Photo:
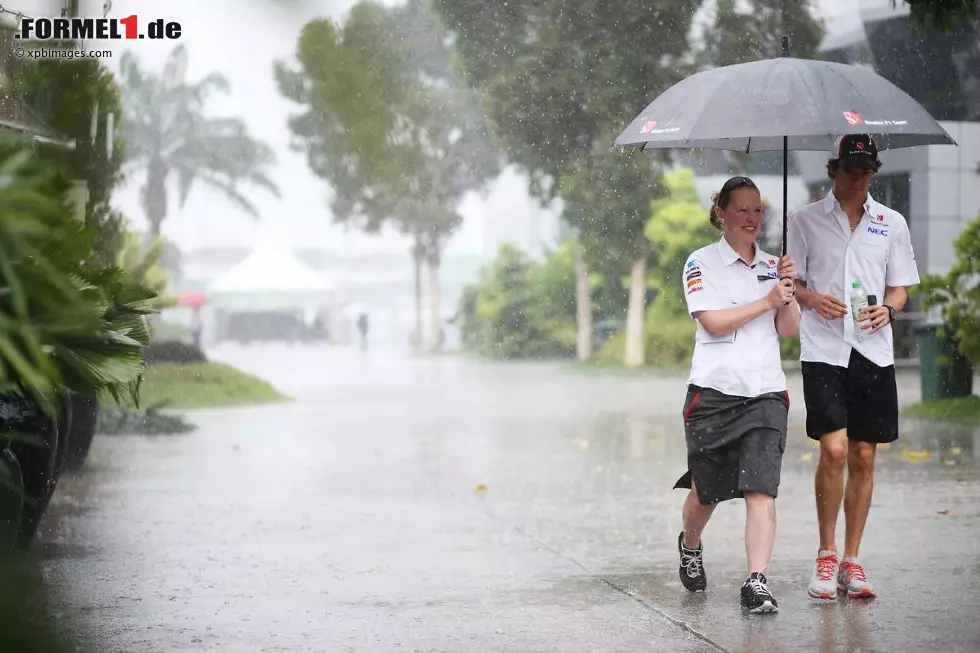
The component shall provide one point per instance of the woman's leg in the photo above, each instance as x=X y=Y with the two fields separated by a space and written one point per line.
x=760 y=529
x=695 y=518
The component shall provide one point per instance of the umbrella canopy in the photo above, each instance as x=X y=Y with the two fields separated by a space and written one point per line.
x=756 y=106
x=782 y=104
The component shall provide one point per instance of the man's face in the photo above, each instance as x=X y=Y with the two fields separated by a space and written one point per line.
x=853 y=181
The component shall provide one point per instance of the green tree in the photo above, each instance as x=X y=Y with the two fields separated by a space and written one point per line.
x=678 y=225
x=942 y=14
x=957 y=294
x=398 y=145
x=171 y=140
x=675 y=226
x=607 y=199
x=751 y=30
x=68 y=96
x=558 y=77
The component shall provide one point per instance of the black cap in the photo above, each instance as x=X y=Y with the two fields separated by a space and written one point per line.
x=857 y=151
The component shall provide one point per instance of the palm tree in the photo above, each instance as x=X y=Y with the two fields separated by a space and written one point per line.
x=169 y=138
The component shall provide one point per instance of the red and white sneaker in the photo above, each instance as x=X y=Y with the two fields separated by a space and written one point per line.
x=854 y=581
x=823 y=581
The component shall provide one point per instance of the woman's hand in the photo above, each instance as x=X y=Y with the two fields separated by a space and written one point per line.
x=786 y=268
x=782 y=293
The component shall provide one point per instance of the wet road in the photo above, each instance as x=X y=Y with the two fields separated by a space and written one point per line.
x=446 y=504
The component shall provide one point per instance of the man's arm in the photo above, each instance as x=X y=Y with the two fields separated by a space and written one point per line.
x=804 y=296
x=897 y=297
x=827 y=306
x=900 y=273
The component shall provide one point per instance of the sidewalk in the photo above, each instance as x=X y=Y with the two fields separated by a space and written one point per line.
x=445 y=504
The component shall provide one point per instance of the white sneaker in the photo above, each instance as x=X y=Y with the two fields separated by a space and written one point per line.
x=823 y=582
x=852 y=579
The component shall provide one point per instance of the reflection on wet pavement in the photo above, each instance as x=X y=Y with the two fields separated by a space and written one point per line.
x=446 y=504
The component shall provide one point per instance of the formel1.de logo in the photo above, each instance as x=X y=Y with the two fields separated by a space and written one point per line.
x=88 y=29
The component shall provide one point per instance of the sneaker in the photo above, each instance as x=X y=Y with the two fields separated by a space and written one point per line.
x=692 y=566
x=823 y=582
x=854 y=581
x=756 y=595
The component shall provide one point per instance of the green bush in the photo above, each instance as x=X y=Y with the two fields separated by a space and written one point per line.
x=668 y=339
x=957 y=294
x=789 y=349
x=520 y=308
x=66 y=323
x=173 y=351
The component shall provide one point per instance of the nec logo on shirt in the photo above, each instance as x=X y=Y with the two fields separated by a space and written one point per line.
x=693 y=274
x=877 y=231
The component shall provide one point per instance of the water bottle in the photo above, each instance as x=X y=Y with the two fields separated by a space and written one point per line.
x=859 y=301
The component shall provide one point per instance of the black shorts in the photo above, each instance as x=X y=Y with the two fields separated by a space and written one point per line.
x=861 y=398
x=734 y=444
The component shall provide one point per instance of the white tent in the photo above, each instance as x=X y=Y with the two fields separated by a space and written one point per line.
x=270 y=278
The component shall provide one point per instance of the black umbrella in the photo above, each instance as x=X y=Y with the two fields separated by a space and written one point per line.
x=784 y=103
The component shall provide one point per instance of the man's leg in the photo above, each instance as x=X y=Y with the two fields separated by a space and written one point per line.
x=873 y=413
x=857 y=496
x=828 y=485
x=825 y=393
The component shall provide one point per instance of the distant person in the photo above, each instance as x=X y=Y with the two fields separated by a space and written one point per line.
x=849 y=247
x=197 y=328
x=737 y=405
x=362 y=328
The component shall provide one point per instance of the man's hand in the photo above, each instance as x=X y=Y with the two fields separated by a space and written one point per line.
x=829 y=307
x=874 y=318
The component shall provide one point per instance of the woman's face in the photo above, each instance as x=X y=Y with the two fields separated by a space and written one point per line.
x=743 y=216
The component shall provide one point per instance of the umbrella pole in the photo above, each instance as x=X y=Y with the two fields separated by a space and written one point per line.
x=785 y=154
x=785 y=189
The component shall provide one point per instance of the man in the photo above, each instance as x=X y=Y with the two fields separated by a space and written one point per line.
x=848 y=384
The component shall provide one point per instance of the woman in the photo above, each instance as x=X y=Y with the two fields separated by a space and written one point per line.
x=743 y=301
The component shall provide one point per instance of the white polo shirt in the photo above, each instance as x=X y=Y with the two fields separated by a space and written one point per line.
x=745 y=363
x=830 y=257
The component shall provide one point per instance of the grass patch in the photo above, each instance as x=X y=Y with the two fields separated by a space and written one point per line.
x=200 y=385
x=957 y=409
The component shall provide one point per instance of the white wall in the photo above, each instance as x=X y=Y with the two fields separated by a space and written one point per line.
x=953 y=191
